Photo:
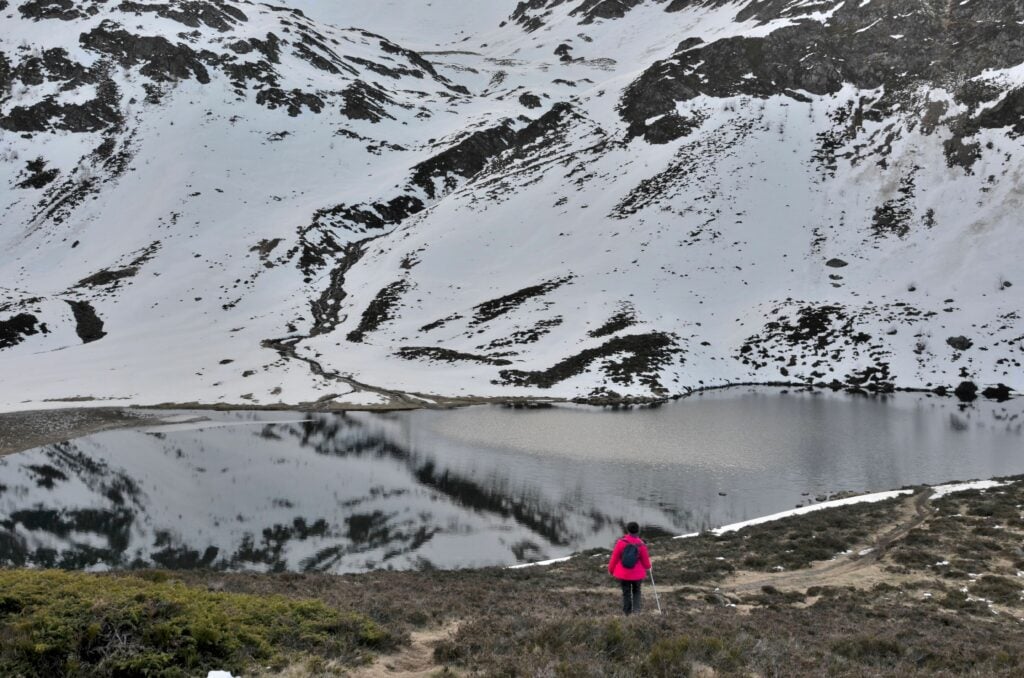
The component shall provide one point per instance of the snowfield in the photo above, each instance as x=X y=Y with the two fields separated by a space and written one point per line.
x=389 y=203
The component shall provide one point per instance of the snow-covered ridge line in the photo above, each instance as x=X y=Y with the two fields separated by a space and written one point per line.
x=938 y=492
x=622 y=203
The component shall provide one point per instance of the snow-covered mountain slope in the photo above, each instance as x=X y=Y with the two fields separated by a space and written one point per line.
x=233 y=202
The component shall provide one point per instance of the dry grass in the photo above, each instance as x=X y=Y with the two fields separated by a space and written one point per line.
x=728 y=609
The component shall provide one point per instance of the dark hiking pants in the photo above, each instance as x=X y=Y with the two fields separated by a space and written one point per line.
x=630 y=596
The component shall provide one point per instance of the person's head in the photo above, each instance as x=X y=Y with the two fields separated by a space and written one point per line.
x=632 y=528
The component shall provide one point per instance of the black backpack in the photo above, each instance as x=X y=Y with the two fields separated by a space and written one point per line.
x=630 y=555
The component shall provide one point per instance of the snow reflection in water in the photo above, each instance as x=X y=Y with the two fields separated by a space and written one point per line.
x=482 y=486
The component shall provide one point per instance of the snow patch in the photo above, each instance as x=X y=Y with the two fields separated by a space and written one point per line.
x=942 y=490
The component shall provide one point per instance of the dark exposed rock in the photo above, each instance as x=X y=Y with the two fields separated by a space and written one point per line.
x=380 y=310
x=362 y=218
x=39 y=176
x=104 y=278
x=161 y=60
x=89 y=327
x=960 y=343
x=668 y=128
x=365 y=102
x=464 y=159
x=960 y=154
x=836 y=263
x=14 y=330
x=618 y=322
x=418 y=61
x=628 y=360
x=327 y=307
x=95 y=115
x=294 y=100
x=445 y=355
x=1009 y=112
x=894 y=216
x=531 y=14
x=603 y=9
x=967 y=391
x=220 y=16
x=65 y=10
x=528 y=336
x=529 y=100
x=440 y=323
x=489 y=310
x=395 y=72
x=942 y=44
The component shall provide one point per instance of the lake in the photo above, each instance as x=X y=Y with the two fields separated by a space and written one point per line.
x=272 y=491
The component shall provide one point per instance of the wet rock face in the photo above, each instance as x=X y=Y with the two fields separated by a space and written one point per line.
x=897 y=45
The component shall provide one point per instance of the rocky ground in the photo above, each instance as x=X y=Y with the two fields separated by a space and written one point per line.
x=21 y=431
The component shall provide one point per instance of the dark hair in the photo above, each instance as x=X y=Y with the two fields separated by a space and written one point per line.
x=632 y=528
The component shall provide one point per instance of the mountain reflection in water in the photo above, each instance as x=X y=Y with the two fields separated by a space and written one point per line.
x=481 y=486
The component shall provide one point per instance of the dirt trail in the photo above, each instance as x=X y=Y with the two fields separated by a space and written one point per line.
x=414 y=660
x=861 y=567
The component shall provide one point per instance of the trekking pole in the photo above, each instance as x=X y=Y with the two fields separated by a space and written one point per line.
x=655 y=589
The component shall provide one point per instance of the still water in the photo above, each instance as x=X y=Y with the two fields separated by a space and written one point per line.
x=478 y=486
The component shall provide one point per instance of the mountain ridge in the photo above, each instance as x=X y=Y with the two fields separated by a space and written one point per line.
x=237 y=203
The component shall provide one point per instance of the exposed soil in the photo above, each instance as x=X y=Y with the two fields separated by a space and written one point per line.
x=414 y=660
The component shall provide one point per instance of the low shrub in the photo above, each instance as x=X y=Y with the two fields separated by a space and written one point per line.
x=74 y=624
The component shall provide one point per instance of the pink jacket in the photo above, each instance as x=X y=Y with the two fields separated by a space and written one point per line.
x=636 y=573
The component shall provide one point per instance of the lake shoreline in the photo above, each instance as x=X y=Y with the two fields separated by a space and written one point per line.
x=28 y=429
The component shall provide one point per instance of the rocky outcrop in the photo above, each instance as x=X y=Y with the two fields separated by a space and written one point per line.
x=14 y=329
x=894 y=46
x=161 y=60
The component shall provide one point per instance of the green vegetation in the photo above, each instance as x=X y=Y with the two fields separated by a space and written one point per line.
x=72 y=624
x=906 y=587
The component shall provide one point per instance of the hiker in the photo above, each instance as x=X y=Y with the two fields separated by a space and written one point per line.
x=629 y=564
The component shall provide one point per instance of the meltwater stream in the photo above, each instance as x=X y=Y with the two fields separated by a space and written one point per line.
x=473 y=487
